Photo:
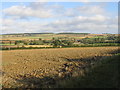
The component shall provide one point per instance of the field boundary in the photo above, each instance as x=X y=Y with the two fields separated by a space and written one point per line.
x=24 y=48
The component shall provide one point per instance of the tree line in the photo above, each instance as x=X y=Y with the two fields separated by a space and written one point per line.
x=67 y=42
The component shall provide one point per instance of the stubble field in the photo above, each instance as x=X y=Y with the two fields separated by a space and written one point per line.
x=43 y=67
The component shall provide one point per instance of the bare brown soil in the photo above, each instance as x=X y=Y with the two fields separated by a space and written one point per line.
x=38 y=67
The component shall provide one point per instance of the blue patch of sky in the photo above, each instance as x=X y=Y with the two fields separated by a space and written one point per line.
x=67 y=4
x=111 y=7
x=10 y=4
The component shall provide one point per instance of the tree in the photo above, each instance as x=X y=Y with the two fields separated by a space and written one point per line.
x=10 y=42
x=40 y=39
x=53 y=38
x=15 y=42
x=57 y=43
x=70 y=43
x=26 y=42
x=102 y=40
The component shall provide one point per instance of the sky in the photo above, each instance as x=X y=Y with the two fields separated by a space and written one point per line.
x=57 y=17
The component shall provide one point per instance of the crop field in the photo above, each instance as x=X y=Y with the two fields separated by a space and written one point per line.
x=44 y=36
x=43 y=67
x=15 y=46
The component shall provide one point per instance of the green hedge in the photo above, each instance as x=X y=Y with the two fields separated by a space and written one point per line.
x=85 y=45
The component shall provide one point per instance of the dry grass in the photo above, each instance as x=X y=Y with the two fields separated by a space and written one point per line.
x=27 y=46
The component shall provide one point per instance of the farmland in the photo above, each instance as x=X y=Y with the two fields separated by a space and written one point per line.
x=61 y=44
x=37 y=40
x=36 y=68
x=40 y=60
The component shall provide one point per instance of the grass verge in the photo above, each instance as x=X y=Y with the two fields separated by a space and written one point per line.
x=104 y=75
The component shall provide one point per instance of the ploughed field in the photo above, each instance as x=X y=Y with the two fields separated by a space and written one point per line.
x=44 y=67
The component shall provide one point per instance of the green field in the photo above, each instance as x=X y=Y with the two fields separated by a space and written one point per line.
x=7 y=44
